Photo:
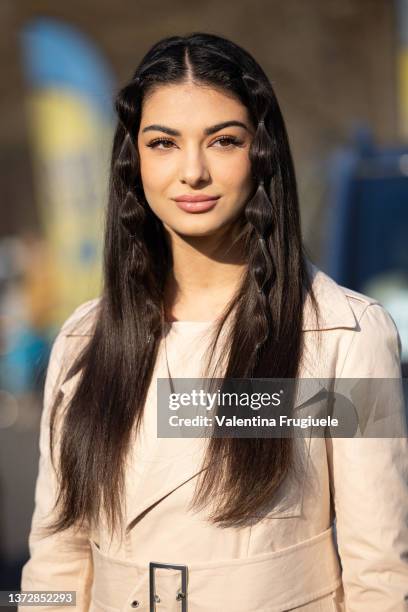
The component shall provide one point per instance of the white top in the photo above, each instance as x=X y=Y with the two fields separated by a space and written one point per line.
x=186 y=343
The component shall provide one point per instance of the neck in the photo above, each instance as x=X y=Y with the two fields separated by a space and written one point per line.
x=204 y=277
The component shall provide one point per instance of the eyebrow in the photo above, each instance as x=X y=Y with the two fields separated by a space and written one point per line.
x=207 y=131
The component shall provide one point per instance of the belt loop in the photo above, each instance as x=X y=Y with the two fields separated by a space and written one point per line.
x=181 y=593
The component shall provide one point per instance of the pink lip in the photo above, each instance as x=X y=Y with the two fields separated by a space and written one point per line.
x=197 y=206
x=195 y=198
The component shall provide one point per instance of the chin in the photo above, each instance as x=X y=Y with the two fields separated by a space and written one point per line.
x=197 y=233
x=197 y=229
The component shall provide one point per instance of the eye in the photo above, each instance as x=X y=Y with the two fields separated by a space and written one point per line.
x=154 y=143
x=229 y=140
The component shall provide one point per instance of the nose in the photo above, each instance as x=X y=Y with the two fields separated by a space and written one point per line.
x=194 y=168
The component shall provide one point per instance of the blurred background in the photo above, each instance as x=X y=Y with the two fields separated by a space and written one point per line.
x=340 y=71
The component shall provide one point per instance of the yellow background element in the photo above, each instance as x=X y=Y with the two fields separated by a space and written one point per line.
x=71 y=141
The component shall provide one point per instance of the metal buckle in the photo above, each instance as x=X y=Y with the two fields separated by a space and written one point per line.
x=181 y=595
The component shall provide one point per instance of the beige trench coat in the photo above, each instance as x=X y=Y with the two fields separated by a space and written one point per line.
x=286 y=560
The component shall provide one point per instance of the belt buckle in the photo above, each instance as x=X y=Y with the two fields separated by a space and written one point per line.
x=181 y=595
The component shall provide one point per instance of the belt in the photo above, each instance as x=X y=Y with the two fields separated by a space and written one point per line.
x=278 y=581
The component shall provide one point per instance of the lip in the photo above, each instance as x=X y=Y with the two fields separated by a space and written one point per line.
x=195 y=198
x=196 y=205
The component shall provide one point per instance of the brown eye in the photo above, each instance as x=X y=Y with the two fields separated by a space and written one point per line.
x=228 y=140
x=154 y=143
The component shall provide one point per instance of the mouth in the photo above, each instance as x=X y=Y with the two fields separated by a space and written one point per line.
x=197 y=207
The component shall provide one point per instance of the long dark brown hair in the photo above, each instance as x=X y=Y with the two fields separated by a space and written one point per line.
x=266 y=339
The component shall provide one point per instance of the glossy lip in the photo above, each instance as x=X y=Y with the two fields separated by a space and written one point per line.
x=197 y=207
x=195 y=198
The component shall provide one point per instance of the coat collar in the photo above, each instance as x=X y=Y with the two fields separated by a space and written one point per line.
x=335 y=310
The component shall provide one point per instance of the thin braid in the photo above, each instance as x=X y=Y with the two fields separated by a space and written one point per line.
x=132 y=211
x=261 y=217
x=134 y=214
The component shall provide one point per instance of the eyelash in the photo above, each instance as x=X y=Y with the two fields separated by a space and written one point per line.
x=232 y=139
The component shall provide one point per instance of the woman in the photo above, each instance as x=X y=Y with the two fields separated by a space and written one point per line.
x=204 y=264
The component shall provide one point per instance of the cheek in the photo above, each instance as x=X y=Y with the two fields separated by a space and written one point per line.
x=234 y=172
x=156 y=177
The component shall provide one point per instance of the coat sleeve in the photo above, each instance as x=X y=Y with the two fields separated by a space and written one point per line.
x=369 y=483
x=61 y=561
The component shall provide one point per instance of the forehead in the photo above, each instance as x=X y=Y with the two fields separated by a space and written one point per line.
x=192 y=104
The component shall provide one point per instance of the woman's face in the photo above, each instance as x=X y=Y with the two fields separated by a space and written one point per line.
x=186 y=151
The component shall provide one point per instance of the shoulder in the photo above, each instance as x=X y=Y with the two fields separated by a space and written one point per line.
x=344 y=308
x=79 y=326
x=363 y=331
x=82 y=319
x=371 y=315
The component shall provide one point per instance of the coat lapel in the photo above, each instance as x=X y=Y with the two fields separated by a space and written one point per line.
x=178 y=460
